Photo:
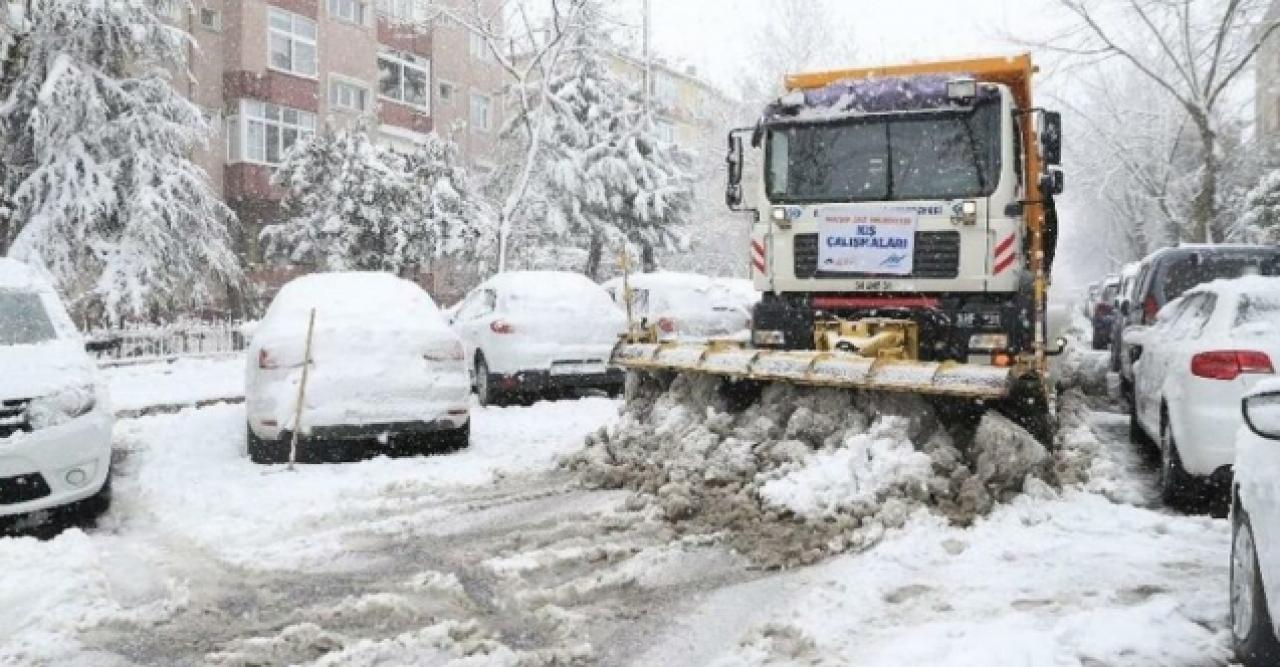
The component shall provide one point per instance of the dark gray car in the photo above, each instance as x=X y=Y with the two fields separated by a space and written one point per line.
x=1167 y=273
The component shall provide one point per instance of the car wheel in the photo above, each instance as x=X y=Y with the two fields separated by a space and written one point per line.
x=1252 y=632
x=1175 y=484
x=486 y=393
x=264 y=451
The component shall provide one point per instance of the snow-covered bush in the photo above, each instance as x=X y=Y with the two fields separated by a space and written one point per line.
x=98 y=182
x=352 y=204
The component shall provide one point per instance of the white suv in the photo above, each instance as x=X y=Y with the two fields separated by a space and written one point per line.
x=1255 y=529
x=55 y=419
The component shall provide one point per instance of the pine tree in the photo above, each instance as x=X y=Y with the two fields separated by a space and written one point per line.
x=609 y=182
x=354 y=205
x=99 y=183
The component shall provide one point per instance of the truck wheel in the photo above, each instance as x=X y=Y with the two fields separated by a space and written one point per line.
x=1252 y=633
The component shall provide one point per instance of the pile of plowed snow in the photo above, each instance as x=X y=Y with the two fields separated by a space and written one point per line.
x=803 y=473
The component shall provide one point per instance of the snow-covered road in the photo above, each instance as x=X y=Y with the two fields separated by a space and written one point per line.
x=493 y=555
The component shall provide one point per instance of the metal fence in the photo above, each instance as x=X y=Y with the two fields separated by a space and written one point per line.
x=141 y=344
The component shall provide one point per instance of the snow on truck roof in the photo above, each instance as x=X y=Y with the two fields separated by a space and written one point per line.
x=853 y=97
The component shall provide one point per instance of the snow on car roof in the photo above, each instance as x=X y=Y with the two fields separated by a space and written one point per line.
x=539 y=281
x=366 y=295
x=1269 y=285
x=666 y=279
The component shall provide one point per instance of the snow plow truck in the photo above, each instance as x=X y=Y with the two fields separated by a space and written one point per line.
x=903 y=229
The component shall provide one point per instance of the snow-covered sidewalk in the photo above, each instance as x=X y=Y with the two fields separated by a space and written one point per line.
x=170 y=385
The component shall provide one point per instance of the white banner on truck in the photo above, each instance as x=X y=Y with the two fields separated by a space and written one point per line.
x=866 y=239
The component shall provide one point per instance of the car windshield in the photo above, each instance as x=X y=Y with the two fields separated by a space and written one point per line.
x=1187 y=272
x=23 y=319
x=887 y=158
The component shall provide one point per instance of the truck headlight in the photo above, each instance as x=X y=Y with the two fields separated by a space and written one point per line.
x=55 y=409
x=988 y=342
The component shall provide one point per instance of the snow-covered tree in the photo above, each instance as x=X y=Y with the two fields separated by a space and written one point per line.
x=1195 y=52
x=352 y=204
x=1261 y=216
x=608 y=179
x=99 y=185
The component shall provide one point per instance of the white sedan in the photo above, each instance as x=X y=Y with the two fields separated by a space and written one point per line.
x=383 y=363
x=530 y=332
x=688 y=305
x=1205 y=350
x=55 y=416
x=1255 y=529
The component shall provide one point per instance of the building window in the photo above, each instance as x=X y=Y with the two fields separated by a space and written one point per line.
x=665 y=89
x=481 y=115
x=447 y=91
x=351 y=11
x=174 y=10
x=479 y=47
x=264 y=132
x=404 y=78
x=666 y=131
x=348 y=96
x=210 y=19
x=403 y=10
x=292 y=43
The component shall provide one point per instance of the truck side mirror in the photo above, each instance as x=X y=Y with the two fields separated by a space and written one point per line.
x=734 y=160
x=1051 y=138
x=1052 y=182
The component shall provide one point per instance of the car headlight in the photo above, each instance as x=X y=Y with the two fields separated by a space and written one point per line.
x=55 y=409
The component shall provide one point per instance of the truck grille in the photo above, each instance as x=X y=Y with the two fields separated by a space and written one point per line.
x=937 y=255
x=13 y=417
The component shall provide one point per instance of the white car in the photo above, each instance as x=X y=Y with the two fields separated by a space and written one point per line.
x=1205 y=350
x=383 y=363
x=687 y=305
x=55 y=414
x=531 y=332
x=1255 y=529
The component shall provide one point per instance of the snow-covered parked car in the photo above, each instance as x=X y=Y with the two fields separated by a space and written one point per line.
x=384 y=363
x=687 y=305
x=1205 y=350
x=1255 y=529
x=55 y=414
x=530 y=332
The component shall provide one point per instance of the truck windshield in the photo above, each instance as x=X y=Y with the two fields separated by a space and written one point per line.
x=945 y=155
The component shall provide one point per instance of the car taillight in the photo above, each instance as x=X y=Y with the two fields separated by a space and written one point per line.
x=1149 y=309
x=265 y=361
x=666 y=325
x=453 y=352
x=501 y=327
x=1230 y=364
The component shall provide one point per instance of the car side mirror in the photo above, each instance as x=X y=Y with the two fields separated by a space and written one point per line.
x=1262 y=415
x=1051 y=138
x=734 y=161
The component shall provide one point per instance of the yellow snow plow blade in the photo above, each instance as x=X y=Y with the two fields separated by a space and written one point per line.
x=819 y=369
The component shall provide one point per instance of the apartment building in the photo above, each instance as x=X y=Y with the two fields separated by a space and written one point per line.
x=269 y=72
x=1267 y=91
x=688 y=110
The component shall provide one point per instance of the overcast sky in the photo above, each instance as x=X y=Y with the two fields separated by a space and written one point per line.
x=715 y=35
